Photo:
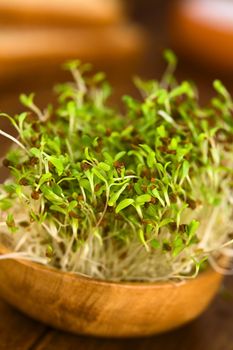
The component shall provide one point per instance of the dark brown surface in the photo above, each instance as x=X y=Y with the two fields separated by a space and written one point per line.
x=212 y=331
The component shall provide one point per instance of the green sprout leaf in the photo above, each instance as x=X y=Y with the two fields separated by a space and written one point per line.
x=116 y=195
x=124 y=204
x=44 y=178
x=27 y=100
x=11 y=223
x=170 y=57
x=144 y=198
x=142 y=239
x=155 y=244
x=58 y=164
x=51 y=196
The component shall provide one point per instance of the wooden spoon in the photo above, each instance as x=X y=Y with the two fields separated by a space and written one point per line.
x=87 y=306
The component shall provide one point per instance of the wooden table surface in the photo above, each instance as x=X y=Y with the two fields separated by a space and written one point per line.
x=211 y=331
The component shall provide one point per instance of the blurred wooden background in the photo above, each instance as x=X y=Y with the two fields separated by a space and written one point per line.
x=36 y=39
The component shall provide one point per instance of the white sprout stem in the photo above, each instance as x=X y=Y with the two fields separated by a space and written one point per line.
x=105 y=206
x=228 y=252
x=12 y=138
x=209 y=228
x=79 y=80
x=83 y=194
x=24 y=256
x=52 y=233
x=15 y=255
x=69 y=148
x=222 y=248
x=38 y=112
x=21 y=242
x=167 y=118
x=219 y=269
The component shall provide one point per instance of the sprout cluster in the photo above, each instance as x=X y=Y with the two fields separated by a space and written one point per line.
x=145 y=194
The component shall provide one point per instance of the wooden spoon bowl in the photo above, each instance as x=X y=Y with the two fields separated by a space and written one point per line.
x=86 y=306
